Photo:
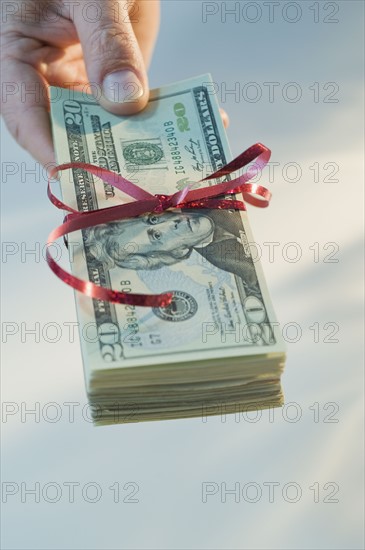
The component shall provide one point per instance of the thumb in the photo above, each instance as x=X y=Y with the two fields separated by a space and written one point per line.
x=113 y=60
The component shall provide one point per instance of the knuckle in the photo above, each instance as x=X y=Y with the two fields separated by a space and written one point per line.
x=13 y=125
x=108 y=45
x=11 y=43
x=14 y=120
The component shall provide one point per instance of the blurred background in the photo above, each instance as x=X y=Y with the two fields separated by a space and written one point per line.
x=290 y=478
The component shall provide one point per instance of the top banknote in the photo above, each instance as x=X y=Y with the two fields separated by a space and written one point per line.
x=220 y=307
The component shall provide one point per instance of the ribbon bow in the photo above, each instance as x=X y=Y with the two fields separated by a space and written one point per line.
x=170 y=201
x=205 y=197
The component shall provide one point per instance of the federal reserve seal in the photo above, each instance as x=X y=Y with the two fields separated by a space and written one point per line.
x=182 y=307
x=142 y=153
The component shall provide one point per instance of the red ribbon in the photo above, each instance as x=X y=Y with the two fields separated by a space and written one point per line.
x=204 y=197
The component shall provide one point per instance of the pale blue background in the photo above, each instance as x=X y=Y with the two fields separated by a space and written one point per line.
x=170 y=460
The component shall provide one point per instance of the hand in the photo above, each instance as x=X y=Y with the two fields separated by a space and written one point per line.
x=102 y=47
x=59 y=43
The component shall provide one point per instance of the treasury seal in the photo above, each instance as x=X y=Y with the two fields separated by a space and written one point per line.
x=142 y=153
x=183 y=307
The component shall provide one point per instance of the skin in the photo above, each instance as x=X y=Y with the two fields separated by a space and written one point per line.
x=63 y=45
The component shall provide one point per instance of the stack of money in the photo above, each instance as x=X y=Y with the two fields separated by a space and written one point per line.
x=214 y=349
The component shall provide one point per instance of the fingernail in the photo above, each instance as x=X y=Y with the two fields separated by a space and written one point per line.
x=122 y=87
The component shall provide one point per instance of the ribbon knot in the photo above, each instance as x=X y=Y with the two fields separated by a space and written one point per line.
x=163 y=203
x=168 y=201
x=203 y=197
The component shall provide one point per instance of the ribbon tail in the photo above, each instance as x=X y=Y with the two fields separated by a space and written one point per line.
x=258 y=152
x=94 y=291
